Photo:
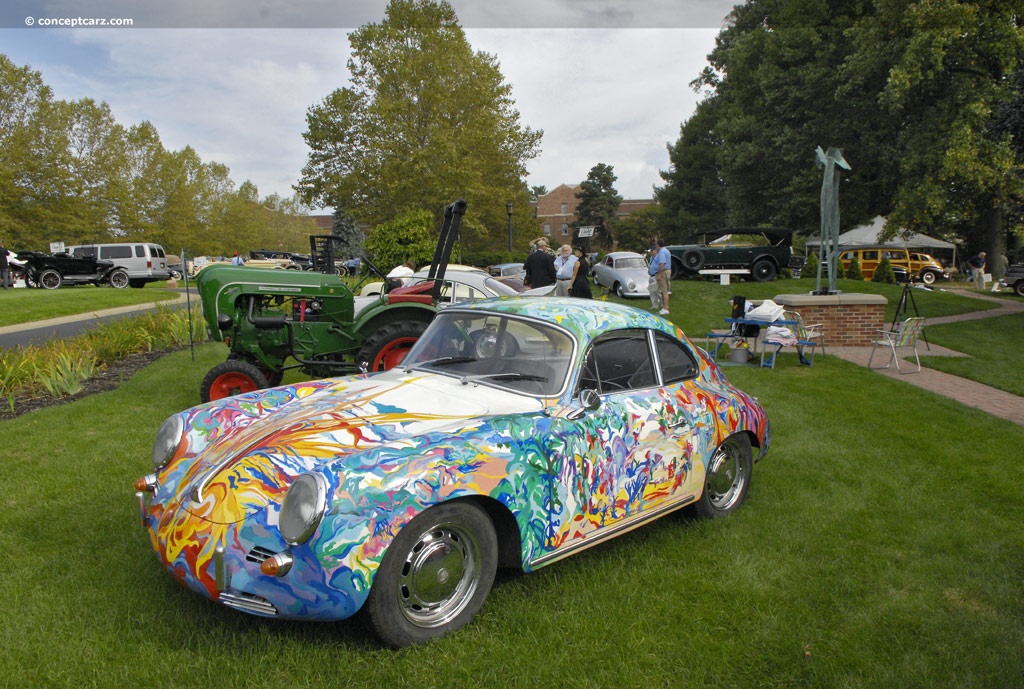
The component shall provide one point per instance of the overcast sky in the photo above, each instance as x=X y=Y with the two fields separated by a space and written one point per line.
x=606 y=80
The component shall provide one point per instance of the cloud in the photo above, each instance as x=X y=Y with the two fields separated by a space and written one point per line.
x=239 y=97
x=347 y=14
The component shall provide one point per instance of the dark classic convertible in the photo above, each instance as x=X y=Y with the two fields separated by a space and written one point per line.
x=761 y=251
x=50 y=272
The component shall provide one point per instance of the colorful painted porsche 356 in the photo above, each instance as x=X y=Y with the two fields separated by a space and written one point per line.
x=516 y=432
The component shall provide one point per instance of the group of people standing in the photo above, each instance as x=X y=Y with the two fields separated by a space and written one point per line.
x=567 y=269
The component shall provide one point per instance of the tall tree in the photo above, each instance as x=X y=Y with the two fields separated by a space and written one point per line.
x=599 y=204
x=349 y=235
x=693 y=198
x=425 y=121
x=948 y=66
x=910 y=91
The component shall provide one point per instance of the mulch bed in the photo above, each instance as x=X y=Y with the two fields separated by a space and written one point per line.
x=108 y=378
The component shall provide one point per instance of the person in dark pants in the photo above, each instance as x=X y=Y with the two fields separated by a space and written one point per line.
x=580 y=284
x=5 y=268
x=977 y=265
x=539 y=266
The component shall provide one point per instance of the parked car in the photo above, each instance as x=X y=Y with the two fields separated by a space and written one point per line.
x=141 y=262
x=462 y=283
x=763 y=251
x=1014 y=279
x=623 y=272
x=399 y=493
x=916 y=265
x=508 y=270
x=291 y=260
x=51 y=272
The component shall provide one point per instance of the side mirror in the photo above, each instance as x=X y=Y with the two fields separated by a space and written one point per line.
x=589 y=401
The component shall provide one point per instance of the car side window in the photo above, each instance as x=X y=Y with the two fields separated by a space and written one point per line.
x=620 y=361
x=677 y=363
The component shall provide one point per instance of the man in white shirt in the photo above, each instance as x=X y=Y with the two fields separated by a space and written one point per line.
x=563 y=271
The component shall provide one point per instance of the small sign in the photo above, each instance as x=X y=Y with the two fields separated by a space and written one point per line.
x=56 y=247
x=587 y=231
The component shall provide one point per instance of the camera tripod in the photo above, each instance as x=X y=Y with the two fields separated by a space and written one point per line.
x=901 y=311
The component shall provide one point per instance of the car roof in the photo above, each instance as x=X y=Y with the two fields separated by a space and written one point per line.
x=623 y=254
x=583 y=318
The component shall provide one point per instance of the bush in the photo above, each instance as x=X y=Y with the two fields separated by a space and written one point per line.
x=59 y=367
x=854 y=272
x=883 y=273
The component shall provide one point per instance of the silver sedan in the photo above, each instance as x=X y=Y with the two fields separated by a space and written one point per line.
x=624 y=273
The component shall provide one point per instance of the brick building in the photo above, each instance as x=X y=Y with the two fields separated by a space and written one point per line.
x=556 y=211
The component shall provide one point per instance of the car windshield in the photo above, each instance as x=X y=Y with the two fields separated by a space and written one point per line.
x=525 y=356
x=634 y=262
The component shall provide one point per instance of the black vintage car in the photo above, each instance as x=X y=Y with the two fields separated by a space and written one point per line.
x=52 y=271
x=760 y=251
x=1014 y=279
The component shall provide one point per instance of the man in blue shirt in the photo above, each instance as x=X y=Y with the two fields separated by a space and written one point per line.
x=661 y=269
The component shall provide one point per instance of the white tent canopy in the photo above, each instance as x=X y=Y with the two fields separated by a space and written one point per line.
x=867 y=235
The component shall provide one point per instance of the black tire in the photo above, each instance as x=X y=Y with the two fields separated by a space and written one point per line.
x=693 y=259
x=50 y=279
x=118 y=279
x=435 y=575
x=727 y=478
x=387 y=346
x=763 y=271
x=1019 y=288
x=620 y=292
x=231 y=377
x=273 y=376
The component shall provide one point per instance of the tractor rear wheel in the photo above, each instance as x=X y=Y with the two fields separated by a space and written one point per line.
x=388 y=345
x=231 y=377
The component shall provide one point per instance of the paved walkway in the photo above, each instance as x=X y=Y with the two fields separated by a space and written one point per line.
x=996 y=402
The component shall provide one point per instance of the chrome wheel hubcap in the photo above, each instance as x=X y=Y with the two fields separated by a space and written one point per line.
x=439 y=576
x=725 y=478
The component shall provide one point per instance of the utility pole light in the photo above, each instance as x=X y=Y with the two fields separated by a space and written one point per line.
x=508 y=209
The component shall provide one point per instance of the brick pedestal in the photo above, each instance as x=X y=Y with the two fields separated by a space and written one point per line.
x=851 y=320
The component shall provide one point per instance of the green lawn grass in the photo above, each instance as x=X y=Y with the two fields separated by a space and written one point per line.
x=993 y=346
x=880 y=546
x=19 y=306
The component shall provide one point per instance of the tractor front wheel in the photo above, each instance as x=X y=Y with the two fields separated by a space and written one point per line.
x=388 y=345
x=231 y=377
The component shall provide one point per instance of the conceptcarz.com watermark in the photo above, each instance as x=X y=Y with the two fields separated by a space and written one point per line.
x=74 y=22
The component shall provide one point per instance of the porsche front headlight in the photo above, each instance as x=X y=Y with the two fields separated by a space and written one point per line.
x=303 y=508
x=167 y=440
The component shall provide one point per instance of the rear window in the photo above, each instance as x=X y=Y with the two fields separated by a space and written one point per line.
x=157 y=250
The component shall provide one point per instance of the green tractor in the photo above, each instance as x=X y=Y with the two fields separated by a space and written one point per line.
x=276 y=320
